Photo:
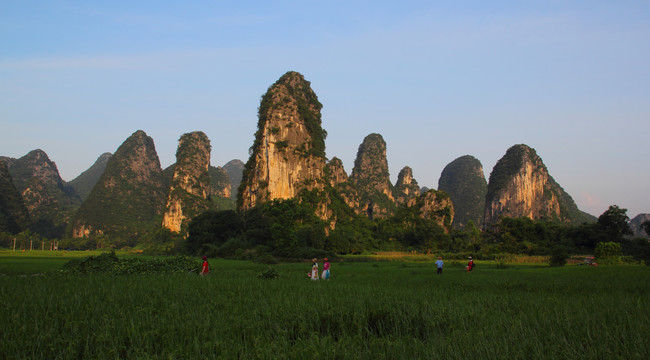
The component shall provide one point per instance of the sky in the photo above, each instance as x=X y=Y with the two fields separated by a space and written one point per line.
x=437 y=79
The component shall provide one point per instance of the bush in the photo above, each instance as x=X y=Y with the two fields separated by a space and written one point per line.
x=269 y=273
x=607 y=252
x=109 y=263
x=559 y=256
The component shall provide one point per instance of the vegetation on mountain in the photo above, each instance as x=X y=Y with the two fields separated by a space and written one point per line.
x=190 y=190
x=50 y=201
x=295 y=90
x=406 y=188
x=14 y=216
x=543 y=198
x=465 y=183
x=371 y=178
x=288 y=153
x=129 y=197
x=84 y=183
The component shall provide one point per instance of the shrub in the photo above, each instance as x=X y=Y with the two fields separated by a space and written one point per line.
x=607 y=252
x=269 y=273
x=559 y=256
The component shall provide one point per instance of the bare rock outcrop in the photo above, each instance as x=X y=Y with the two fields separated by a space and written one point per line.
x=437 y=206
x=288 y=155
x=371 y=178
x=406 y=190
x=520 y=186
x=190 y=186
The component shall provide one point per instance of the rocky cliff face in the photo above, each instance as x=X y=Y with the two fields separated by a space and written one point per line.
x=47 y=197
x=235 y=170
x=437 y=206
x=190 y=185
x=339 y=181
x=520 y=186
x=288 y=154
x=84 y=183
x=406 y=189
x=130 y=195
x=464 y=181
x=14 y=216
x=371 y=178
x=636 y=225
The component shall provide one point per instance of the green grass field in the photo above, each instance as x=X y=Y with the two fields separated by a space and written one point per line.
x=368 y=310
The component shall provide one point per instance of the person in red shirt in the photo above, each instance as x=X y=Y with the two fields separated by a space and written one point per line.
x=470 y=264
x=206 y=267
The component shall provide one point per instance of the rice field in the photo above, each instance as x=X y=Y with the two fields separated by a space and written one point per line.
x=368 y=310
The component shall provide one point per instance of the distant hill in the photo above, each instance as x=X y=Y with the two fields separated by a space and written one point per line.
x=50 y=201
x=14 y=216
x=130 y=195
x=235 y=170
x=465 y=183
x=635 y=225
x=84 y=183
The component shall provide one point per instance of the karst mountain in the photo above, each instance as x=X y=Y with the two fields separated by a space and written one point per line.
x=128 y=194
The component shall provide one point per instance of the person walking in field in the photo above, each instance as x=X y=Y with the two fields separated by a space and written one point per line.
x=470 y=264
x=439 y=264
x=205 y=270
x=314 y=269
x=326 y=270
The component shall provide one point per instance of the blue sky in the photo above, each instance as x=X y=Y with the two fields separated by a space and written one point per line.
x=438 y=80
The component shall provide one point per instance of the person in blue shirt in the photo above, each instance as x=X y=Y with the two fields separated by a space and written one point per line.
x=439 y=265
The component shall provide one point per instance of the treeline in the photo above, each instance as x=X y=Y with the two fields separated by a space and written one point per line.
x=289 y=229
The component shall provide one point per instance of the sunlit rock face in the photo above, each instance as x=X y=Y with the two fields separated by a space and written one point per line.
x=129 y=197
x=288 y=154
x=406 y=189
x=371 y=178
x=437 y=206
x=520 y=186
x=190 y=186
x=464 y=181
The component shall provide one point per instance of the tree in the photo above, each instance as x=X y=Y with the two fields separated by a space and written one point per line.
x=607 y=252
x=615 y=222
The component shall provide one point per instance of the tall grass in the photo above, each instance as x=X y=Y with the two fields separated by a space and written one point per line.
x=386 y=310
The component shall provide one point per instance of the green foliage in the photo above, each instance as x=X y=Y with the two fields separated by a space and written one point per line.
x=559 y=256
x=269 y=273
x=126 y=203
x=367 y=310
x=14 y=216
x=281 y=145
x=109 y=263
x=608 y=252
x=465 y=183
x=615 y=222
